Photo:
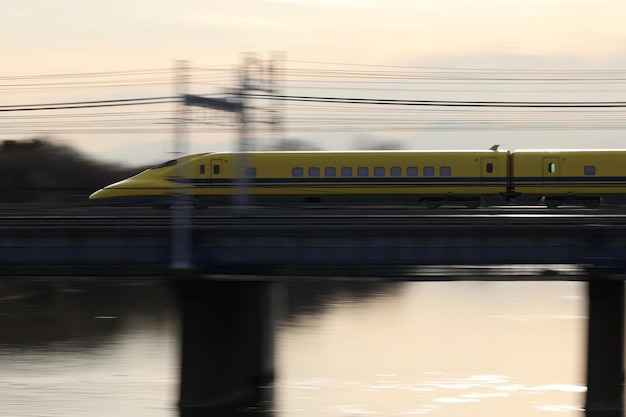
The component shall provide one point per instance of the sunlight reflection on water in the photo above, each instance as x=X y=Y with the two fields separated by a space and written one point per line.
x=444 y=390
x=417 y=352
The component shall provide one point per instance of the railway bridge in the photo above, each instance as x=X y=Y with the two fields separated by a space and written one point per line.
x=233 y=260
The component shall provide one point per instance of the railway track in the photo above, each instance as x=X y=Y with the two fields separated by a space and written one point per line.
x=26 y=218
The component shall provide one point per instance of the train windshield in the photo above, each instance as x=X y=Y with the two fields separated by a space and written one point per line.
x=165 y=164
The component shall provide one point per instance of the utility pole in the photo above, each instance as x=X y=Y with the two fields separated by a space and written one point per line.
x=181 y=234
x=255 y=76
x=276 y=112
x=241 y=199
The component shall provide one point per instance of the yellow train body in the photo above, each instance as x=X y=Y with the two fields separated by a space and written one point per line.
x=365 y=173
x=570 y=176
x=468 y=178
x=461 y=176
x=575 y=172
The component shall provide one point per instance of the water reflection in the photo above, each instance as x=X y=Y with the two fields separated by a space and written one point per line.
x=462 y=348
x=342 y=349
x=87 y=350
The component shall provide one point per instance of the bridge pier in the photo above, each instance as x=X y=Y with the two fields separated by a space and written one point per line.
x=227 y=346
x=605 y=345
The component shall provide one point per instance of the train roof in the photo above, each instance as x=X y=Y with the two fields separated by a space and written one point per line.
x=481 y=152
x=345 y=152
x=566 y=150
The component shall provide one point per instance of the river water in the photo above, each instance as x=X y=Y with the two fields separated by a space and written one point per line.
x=342 y=350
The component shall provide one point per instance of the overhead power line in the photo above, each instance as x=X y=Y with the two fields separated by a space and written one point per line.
x=441 y=103
x=318 y=99
x=89 y=104
x=346 y=97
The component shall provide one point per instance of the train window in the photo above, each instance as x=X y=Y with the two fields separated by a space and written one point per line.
x=362 y=171
x=250 y=172
x=445 y=171
x=330 y=171
x=379 y=171
x=314 y=172
x=202 y=169
x=551 y=167
x=395 y=171
x=297 y=172
x=590 y=170
x=346 y=171
x=412 y=171
x=489 y=168
x=429 y=171
x=216 y=169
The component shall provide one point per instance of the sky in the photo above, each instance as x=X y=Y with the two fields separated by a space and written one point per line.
x=45 y=37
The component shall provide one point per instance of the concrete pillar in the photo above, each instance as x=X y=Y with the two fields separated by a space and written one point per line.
x=605 y=341
x=227 y=346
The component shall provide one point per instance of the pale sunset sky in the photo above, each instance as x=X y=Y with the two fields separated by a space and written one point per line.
x=46 y=37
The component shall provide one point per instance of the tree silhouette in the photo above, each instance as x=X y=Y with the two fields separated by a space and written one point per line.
x=40 y=170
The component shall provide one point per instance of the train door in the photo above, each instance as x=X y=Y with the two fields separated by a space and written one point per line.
x=551 y=171
x=216 y=172
x=489 y=172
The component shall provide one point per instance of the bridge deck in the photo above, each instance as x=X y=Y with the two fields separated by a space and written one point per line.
x=391 y=244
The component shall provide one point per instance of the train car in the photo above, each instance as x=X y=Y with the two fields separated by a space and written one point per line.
x=431 y=178
x=559 y=177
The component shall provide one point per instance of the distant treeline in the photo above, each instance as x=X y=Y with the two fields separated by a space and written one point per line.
x=38 y=170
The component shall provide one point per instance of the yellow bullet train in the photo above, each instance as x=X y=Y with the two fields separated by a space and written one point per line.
x=430 y=178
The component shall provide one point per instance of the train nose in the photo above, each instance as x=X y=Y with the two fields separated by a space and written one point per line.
x=101 y=193
x=132 y=190
x=111 y=191
x=105 y=193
